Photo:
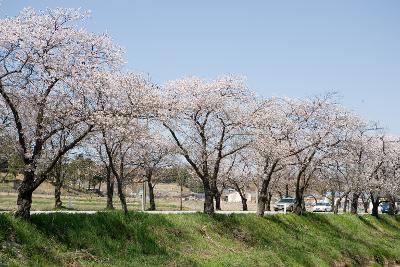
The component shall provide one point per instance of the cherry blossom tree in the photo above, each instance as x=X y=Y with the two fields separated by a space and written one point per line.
x=207 y=121
x=118 y=149
x=381 y=180
x=98 y=152
x=391 y=181
x=320 y=125
x=359 y=161
x=335 y=176
x=153 y=155
x=270 y=149
x=222 y=184
x=240 y=176
x=126 y=104
x=58 y=174
x=46 y=82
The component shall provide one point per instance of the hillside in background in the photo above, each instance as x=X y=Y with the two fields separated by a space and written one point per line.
x=109 y=239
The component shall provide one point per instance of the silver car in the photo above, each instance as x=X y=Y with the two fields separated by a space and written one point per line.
x=323 y=207
x=286 y=201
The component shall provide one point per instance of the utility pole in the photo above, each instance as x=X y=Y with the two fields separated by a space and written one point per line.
x=144 y=196
x=144 y=181
x=181 y=207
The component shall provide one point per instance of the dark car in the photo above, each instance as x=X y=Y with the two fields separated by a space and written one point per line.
x=387 y=207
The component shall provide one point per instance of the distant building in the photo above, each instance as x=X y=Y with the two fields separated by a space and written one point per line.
x=235 y=197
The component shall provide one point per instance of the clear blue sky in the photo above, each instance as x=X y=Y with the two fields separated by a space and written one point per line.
x=284 y=48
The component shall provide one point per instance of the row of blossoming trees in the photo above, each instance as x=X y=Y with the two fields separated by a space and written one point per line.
x=63 y=89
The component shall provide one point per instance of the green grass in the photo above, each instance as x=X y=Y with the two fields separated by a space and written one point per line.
x=111 y=239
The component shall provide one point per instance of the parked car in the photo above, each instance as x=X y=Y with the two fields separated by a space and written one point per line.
x=288 y=201
x=387 y=207
x=322 y=206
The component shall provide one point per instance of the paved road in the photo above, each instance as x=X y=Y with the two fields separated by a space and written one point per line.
x=150 y=212
x=218 y=212
x=56 y=211
x=227 y=212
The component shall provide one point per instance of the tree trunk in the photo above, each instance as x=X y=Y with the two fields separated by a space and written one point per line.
x=298 y=207
x=121 y=196
x=393 y=203
x=244 y=203
x=24 y=199
x=339 y=203
x=262 y=200
x=346 y=200
x=299 y=194
x=336 y=206
x=151 y=195
x=208 y=199
x=365 y=201
x=218 y=201
x=286 y=190
x=366 y=206
x=242 y=195
x=375 y=206
x=268 y=204
x=333 y=194
x=354 y=203
x=57 y=193
x=264 y=203
x=110 y=191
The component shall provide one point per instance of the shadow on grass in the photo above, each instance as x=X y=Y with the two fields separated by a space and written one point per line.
x=102 y=233
x=331 y=238
x=154 y=239
x=111 y=237
x=274 y=234
x=390 y=222
x=368 y=223
x=20 y=241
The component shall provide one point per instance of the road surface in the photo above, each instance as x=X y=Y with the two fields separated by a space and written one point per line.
x=150 y=212
x=226 y=212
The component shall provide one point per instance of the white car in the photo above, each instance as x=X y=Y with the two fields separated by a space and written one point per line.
x=286 y=201
x=322 y=206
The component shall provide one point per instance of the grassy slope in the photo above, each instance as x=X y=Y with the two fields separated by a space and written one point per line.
x=196 y=239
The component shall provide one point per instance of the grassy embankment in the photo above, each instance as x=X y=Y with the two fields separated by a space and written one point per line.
x=109 y=239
